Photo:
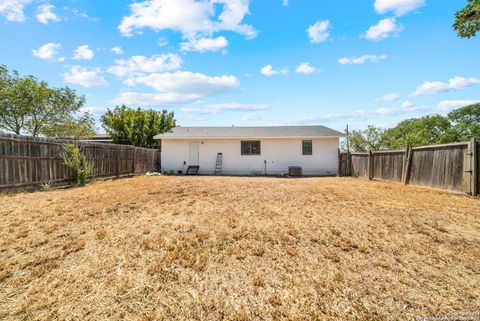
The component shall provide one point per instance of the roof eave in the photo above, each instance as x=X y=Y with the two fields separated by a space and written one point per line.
x=158 y=137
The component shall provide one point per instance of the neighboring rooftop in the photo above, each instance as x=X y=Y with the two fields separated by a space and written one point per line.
x=250 y=132
x=100 y=138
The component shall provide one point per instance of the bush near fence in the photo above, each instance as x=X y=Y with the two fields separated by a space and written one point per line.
x=452 y=167
x=26 y=160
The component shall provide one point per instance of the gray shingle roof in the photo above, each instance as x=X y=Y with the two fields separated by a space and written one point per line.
x=250 y=132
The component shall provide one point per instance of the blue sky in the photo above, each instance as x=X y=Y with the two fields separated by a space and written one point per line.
x=250 y=63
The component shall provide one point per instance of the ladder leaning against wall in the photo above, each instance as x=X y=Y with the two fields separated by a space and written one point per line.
x=218 y=165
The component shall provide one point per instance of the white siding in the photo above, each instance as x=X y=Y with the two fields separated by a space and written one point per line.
x=279 y=154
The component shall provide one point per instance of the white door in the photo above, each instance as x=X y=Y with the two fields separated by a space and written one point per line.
x=194 y=153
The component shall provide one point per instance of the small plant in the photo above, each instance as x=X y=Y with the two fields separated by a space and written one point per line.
x=74 y=159
x=46 y=186
x=338 y=277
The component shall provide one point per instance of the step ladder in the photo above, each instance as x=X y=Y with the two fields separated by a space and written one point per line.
x=218 y=165
x=192 y=170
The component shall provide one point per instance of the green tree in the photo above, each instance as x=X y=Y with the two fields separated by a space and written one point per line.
x=466 y=122
x=16 y=99
x=427 y=130
x=365 y=140
x=52 y=106
x=75 y=128
x=467 y=20
x=31 y=106
x=136 y=126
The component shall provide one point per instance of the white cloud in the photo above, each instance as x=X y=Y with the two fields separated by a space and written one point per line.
x=152 y=99
x=252 y=116
x=83 y=53
x=177 y=87
x=383 y=29
x=389 y=97
x=399 y=7
x=285 y=3
x=194 y=19
x=204 y=44
x=187 y=82
x=408 y=104
x=386 y=111
x=219 y=108
x=172 y=87
x=117 y=50
x=13 y=9
x=162 y=42
x=355 y=115
x=85 y=77
x=139 y=65
x=319 y=32
x=358 y=115
x=448 y=105
x=305 y=68
x=45 y=14
x=269 y=71
x=91 y=110
x=47 y=51
x=361 y=60
x=435 y=87
x=406 y=107
x=83 y=15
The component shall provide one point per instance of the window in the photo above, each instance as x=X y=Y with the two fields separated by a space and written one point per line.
x=306 y=147
x=250 y=147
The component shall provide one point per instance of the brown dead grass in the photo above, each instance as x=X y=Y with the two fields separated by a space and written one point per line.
x=225 y=248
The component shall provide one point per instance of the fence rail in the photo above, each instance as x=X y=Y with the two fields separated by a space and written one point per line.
x=28 y=160
x=452 y=167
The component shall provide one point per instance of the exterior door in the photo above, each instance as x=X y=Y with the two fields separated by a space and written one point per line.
x=194 y=149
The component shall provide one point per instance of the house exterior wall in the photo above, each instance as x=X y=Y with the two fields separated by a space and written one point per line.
x=278 y=153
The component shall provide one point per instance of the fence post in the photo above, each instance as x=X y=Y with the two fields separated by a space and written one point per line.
x=133 y=159
x=474 y=167
x=348 y=165
x=407 y=167
x=118 y=162
x=370 y=164
x=339 y=162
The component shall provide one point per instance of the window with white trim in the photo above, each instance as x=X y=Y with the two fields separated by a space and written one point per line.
x=307 y=147
x=250 y=147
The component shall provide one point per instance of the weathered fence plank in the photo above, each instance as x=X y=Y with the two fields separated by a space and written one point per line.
x=28 y=160
x=344 y=165
x=388 y=165
x=454 y=167
x=407 y=165
x=359 y=164
x=439 y=166
x=476 y=168
x=370 y=165
x=469 y=169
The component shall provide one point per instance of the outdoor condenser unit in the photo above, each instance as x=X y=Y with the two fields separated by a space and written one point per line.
x=295 y=171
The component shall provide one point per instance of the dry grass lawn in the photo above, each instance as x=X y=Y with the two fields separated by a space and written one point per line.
x=226 y=248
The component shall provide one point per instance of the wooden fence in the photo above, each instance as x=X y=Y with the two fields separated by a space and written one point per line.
x=452 y=167
x=28 y=160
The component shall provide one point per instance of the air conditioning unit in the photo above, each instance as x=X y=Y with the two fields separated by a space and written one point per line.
x=295 y=171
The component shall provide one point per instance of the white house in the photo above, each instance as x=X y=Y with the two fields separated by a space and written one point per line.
x=251 y=150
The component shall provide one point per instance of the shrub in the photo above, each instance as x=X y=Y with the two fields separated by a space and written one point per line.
x=74 y=159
